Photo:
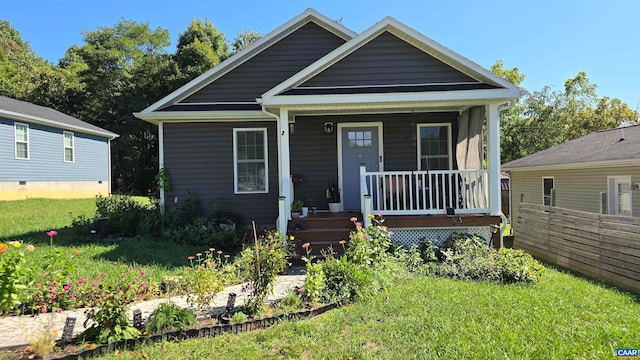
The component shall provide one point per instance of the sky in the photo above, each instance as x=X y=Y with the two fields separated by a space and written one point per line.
x=548 y=40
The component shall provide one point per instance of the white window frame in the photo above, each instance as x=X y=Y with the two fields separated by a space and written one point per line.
x=612 y=194
x=64 y=147
x=16 y=141
x=449 y=143
x=544 y=196
x=235 y=161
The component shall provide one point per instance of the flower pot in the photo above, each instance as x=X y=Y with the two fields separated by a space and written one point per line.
x=295 y=214
x=304 y=212
x=334 y=207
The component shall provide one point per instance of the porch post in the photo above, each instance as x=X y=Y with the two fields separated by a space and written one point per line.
x=493 y=158
x=160 y=164
x=284 y=171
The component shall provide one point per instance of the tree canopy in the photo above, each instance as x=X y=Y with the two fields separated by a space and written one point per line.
x=121 y=69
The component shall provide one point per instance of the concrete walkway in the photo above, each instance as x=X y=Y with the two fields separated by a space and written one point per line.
x=18 y=330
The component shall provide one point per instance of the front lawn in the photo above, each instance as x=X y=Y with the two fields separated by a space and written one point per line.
x=561 y=317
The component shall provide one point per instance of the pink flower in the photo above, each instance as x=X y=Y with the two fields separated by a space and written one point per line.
x=365 y=235
x=115 y=263
x=52 y=233
x=50 y=288
x=38 y=284
x=306 y=245
x=391 y=232
x=44 y=310
x=199 y=254
x=142 y=272
x=30 y=247
x=358 y=223
x=381 y=213
x=190 y=257
x=71 y=296
x=76 y=251
x=59 y=310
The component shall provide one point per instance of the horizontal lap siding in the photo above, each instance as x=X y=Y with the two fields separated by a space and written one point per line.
x=46 y=156
x=270 y=67
x=314 y=154
x=199 y=161
x=577 y=189
x=387 y=59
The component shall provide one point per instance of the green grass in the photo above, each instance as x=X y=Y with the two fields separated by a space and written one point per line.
x=561 y=317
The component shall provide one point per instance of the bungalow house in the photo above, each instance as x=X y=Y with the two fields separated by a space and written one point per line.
x=598 y=173
x=47 y=154
x=391 y=117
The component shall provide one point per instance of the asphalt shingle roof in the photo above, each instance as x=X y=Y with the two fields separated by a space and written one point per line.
x=605 y=145
x=49 y=116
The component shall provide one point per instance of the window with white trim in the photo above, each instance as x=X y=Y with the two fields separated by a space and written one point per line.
x=620 y=195
x=68 y=146
x=434 y=146
x=251 y=170
x=547 y=186
x=22 y=141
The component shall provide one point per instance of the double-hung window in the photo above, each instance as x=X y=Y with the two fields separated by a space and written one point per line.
x=251 y=170
x=22 y=141
x=68 y=146
x=434 y=146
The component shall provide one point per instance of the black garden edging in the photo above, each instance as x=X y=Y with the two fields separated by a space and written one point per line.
x=210 y=331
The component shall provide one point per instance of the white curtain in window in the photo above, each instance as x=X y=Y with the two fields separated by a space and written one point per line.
x=469 y=155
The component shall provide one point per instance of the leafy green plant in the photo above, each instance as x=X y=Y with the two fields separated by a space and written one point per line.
x=261 y=262
x=109 y=322
x=297 y=205
x=347 y=281
x=207 y=276
x=13 y=275
x=290 y=303
x=122 y=215
x=369 y=246
x=314 y=281
x=518 y=266
x=239 y=317
x=169 y=315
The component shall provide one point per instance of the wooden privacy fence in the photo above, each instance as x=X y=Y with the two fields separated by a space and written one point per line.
x=604 y=247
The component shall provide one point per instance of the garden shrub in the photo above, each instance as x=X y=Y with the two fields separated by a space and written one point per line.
x=347 y=281
x=123 y=215
x=170 y=316
x=518 y=266
x=110 y=321
x=207 y=276
x=261 y=262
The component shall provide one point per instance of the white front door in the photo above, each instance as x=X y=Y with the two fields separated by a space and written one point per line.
x=620 y=195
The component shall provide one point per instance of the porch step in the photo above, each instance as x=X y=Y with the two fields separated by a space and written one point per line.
x=322 y=231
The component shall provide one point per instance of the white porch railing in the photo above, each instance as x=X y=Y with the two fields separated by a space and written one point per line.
x=425 y=192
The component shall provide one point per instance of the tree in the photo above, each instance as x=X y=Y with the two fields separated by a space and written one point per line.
x=245 y=38
x=546 y=118
x=200 y=48
x=121 y=70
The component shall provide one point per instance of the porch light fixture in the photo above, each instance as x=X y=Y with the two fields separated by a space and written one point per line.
x=328 y=127
x=291 y=128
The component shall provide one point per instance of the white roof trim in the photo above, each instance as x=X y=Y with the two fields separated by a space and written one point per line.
x=587 y=165
x=252 y=50
x=181 y=116
x=57 y=124
x=487 y=95
x=395 y=27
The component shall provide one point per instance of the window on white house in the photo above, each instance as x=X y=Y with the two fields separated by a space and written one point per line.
x=68 y=146
x=22 y=141
x=251 y=171
x=620 y=195
x=547 y=186
x=434 y=146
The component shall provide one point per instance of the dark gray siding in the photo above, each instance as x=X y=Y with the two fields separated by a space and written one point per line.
x=46 y=156
x=314 y=154
x=270 y=67
x=387 y=60
x=199 y=161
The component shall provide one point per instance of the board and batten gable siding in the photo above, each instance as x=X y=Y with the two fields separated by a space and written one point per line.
x=270 y=67
x=314 y=154
x=575 y=189
x=198 y=158
x=46 y=156
x=387 y=60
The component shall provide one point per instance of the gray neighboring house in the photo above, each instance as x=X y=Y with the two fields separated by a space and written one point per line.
x=47 y=154
x=390 y=116
x=599 y=172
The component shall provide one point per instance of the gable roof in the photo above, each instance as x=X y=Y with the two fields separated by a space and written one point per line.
x=606 y=146
x=494 y=86
x=28 y=112
x=249 y=52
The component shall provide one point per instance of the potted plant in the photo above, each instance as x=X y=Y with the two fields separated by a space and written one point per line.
x=333 y=194
x=296 y=207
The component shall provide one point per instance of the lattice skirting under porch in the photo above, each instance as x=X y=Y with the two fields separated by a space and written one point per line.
x=414 y=236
